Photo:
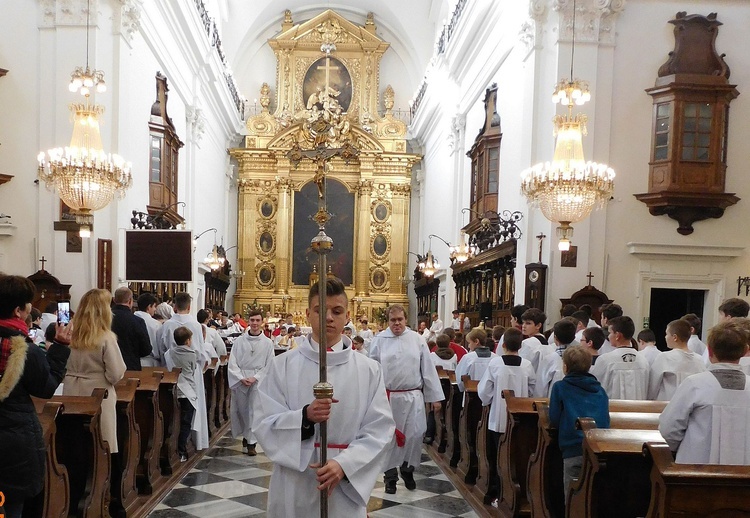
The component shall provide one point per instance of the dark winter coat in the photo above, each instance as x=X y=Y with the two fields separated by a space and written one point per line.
x=28 y=372
x=132 y=336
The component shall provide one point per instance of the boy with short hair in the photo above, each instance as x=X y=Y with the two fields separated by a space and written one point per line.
x=184 y=357
x=647 y=345
x=551 y=365
x=622 y=372
x=535 y=346
x=358 y=344
x=608 y=312
x=506 y=372
x=707 y=419
x=669 y=369
x=695 y=344
x=592 y=340
x=578 y=394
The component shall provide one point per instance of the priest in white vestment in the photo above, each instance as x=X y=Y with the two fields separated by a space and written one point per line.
x=251 y=354
x=708 y=418
x=165 y=337
x=411 y=381
x=360 y=424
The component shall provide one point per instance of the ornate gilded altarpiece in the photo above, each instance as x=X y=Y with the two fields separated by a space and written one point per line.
x=367 y=197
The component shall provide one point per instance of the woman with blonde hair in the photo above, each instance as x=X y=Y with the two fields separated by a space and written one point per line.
x=95 y=359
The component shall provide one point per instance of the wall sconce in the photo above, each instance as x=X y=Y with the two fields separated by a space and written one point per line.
x=743 y=281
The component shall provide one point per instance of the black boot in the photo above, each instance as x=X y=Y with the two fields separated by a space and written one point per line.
x=251 y=450
x=390 y=478
x=407 y=473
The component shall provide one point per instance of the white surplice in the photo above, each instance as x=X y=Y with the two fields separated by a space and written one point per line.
x=360 y=430
x=669 y=370
x=623 y=373
x=708 y=418
x=534 y=350
x=745 y=364
x=650 y=352
x=412 y=379
x=550 y=372
x=166 y=341
x=152 y=326
x=696 y=345
x=473 y=366
x=250 y=357
x=498 y=377
x=448 y=365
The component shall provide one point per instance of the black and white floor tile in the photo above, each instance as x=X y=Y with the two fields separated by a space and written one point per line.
x=229 y=484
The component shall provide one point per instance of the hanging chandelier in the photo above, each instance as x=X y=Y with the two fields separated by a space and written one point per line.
x=85 y=177
x=214 y=260
x=568 y=188
x=429 y=266
x=463 y=251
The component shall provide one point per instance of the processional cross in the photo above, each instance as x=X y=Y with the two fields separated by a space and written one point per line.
x=327 y=132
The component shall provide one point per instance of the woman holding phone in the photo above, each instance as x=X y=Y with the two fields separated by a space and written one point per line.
x=95 y=359
x=25 y=371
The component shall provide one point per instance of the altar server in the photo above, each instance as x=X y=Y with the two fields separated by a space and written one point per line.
x=669 y=369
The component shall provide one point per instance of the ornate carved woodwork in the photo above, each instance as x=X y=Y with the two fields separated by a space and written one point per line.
x=426 y=289
x=485 y=157
x=272 y=187
x=217 y=284
x=535 y=285
x=104 y=264
x=591 y=296
x=690 y=122
x=485 y=285
x=48 y=289
x=164 y=148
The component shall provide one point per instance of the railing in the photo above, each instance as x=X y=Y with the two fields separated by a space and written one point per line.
x=445 y=36
x=213 y=37
x=498 y=230
x=418 y=98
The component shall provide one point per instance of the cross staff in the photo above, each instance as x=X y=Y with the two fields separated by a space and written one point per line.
x=323 y=128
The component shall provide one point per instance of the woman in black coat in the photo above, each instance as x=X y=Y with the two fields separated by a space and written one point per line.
x=25 y=371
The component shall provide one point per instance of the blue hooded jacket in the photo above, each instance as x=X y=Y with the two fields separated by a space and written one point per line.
x=578 y=394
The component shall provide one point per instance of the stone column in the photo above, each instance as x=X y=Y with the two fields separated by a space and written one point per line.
x=283 y=235
x=362 y=254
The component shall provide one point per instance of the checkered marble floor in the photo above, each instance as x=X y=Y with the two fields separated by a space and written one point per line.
x=228 y=484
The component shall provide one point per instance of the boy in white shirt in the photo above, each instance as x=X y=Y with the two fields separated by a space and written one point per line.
x=622 y=372
x=695 y=343
x=707 y=419
x=506 y=372
x=647 y=345
x=551 y=366
x=669 y=369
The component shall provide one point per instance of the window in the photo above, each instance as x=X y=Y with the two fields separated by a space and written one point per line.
x=696 y=133
x=493 y=169
x=661 y=139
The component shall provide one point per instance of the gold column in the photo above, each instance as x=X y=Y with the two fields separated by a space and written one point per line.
x=400 y=239
x=245 y=238
x=362 y=264
x=283 y=233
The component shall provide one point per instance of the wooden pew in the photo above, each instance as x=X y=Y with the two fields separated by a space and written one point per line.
x=169 y=459
x=471 y=412
x=544 y=488
x=691 y=490
x=125 y=463
x=452 y=416
x=150 y=422
x=54 y=500
x=83 y=451
x=482 y=484
x=516 y=447
x=441 y=426
x=226 y=410
x=615 y=475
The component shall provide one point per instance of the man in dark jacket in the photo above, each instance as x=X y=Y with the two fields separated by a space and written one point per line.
x=131 y=331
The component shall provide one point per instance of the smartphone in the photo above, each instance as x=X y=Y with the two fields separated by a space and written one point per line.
x=63 y=312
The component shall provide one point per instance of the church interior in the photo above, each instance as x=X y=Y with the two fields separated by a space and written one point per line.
x=479 y=154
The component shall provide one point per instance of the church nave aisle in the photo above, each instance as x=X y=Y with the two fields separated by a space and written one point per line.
x=229 y=484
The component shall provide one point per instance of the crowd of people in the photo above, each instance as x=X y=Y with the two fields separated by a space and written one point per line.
x=386 y=388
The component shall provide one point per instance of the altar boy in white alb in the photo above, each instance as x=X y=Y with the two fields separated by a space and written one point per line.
x=251 y=353
x=708 y=417
x=360 y=424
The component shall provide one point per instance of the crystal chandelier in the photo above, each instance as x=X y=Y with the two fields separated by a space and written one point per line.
x=85 y=177
x=429 y=265
x=463 y=251
x=213 y=259
x=568 y=188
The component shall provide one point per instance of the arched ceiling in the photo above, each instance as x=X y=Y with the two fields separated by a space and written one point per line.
x=410 y=26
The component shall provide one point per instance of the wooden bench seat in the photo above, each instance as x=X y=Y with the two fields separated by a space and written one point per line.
x=169 y=459
x=441 y=424
x=471 y=413
x=452 y=417
x=81 y=448
x=125 y=463
x=150 y=422
x=614 y=478
x=692 y=490
x=544 y=485
x=54 y=500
